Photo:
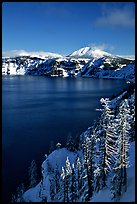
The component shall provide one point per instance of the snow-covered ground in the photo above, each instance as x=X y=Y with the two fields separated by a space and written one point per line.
x=57 y=160
x=129 y=196
x=57 y=157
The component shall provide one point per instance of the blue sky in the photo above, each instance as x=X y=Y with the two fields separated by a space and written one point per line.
x=63 y=27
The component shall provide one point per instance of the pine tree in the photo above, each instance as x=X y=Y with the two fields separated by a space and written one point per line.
x=56 y=178
x=63 y=183
x=79 y=176
x=41 y=192
x=70 y=143
x=73 y=185
x=123 y=127
x=19 y=194
x=68 y=172
x=88 y=192
x=51 y=148
x=91 y=147
x=33 y=174
x=52 y=188
x=107 y=140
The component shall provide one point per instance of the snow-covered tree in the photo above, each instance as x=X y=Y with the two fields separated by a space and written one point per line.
x=33 y=174
x=68 y=172
x=58 y=145
x=63 y=184
x=122 y=145
x=106 y=140
x=122 y=127
x=73 y=194
x=97 y=176
x=79 y=178
x=88 y=146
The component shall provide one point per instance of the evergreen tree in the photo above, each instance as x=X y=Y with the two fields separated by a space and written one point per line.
x=73 y=185
x=68 y=172
x=106 y=141
x=41 y=192
x=122 y=144
x=56 y=178
x=87 y=169
x=122 y=127
x=52 y=188
x=63 y=183
x=51 y=148
x=70 y=143
x=19 y=194
x=33 y=174
x=79 y=176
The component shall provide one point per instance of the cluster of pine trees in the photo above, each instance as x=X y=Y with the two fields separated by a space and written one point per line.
x=102 y=158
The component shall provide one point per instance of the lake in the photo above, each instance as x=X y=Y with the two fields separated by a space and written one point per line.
x=36 y=110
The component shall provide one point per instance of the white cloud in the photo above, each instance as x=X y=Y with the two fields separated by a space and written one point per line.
x=116 y=16
x=102 y=46
x=15 y=53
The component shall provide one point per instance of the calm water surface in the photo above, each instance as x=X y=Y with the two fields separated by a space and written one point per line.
x=36 y=110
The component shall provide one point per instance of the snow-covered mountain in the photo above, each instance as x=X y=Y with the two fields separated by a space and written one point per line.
x=119 y=68
x=85 y=62
x=88 y=52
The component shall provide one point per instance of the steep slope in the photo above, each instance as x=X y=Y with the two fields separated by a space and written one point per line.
x=57 y=159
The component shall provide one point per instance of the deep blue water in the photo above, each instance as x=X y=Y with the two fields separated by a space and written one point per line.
x=36 y=110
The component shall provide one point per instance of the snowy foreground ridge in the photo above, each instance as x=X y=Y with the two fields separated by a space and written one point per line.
x=100 y=167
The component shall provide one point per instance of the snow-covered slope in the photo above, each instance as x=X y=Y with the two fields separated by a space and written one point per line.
x=104 y=68
x=56 y=158
x=88 y=52
x=85 y=62
x=56 y=161
x=129 y=196
x=59 y=157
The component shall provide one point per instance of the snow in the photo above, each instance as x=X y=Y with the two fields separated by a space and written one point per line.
x=131 y=57
x=88 y=52
x=58 y=157
x=104 y=195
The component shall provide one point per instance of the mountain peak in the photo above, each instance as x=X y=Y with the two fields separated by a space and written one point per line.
x=89 y=52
